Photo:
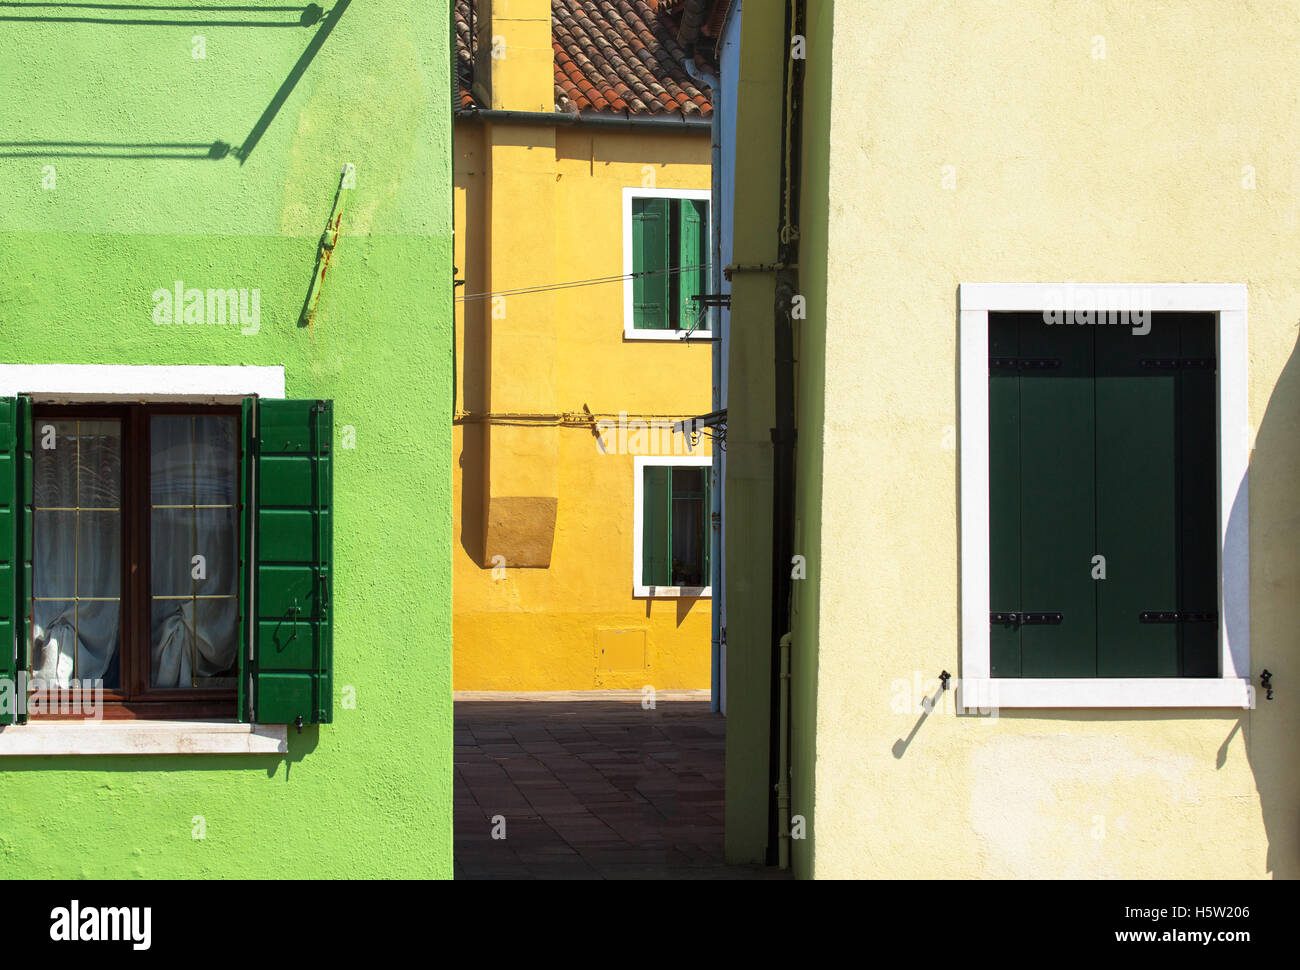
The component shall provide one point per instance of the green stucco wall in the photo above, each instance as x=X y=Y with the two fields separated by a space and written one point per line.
x=370 y=794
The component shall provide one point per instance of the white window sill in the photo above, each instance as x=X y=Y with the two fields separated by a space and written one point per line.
x=1011 y=692
x=42 y=737
x=673 y=592
x=629 y=333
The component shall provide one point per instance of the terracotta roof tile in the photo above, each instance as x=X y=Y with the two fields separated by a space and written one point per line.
x=610 y=55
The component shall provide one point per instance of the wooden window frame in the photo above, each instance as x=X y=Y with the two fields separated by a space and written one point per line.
x=977 y=690
x=135 y=697
x=630 y=331
x=640 y=589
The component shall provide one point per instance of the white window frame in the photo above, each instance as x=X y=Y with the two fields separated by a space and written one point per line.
x=95 y=383
x=638 y=507
x=632 y=192
x=978 y=689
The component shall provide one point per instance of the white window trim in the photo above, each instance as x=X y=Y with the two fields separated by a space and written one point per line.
x=629 y=193
x=90 y=383
x=638 y=501
x=88 y=737
x=1232 y=689
x=74 y=383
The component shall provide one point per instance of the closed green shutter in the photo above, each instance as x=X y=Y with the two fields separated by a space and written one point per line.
x=289 y=530
x=692 y=251
x=1198 y=499
x=1004 y=492
x=1137 y=483
x=1103 y=443
x=650 y=257
x=1057 y=505
x=656 y=526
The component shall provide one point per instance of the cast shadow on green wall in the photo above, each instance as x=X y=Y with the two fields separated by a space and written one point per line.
x=151 y=15
x=308 y=16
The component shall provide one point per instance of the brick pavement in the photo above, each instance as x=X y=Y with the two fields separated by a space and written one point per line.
x=591 y=786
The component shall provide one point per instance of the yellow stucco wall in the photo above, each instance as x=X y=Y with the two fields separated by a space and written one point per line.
x=1068 y=166
x=539 y=205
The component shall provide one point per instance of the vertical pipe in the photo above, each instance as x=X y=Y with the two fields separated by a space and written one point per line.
x=783 y=785
x=783 y=433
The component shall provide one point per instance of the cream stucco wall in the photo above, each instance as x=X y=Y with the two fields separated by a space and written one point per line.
x=1068 y=166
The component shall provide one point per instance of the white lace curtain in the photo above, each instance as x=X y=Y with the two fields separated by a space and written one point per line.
x=77 y=545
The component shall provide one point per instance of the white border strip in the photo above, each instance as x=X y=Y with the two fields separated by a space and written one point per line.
x=64 y=383
x=42 y=737
x=639 y=464
x=630 y=193
x=1228 y=300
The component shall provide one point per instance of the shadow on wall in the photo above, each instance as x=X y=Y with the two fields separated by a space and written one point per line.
x=1273 y=728
x=122 y=15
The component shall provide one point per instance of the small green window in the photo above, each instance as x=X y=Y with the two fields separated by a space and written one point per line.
x=670 y=255
x=675 y=532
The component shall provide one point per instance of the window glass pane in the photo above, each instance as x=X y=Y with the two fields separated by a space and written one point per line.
x=688 y=518
x=76 y=551
x=194 y=563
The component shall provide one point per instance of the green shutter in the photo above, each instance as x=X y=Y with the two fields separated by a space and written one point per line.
x=692 y=250
x=10 y=508
x=656 y=526
x=1004 y=492
x=708 y=527
x=289 y=528
x=15 y=552
x=1137 y=478
x=1057 y=533
x=650 y=256
x=1198 y=498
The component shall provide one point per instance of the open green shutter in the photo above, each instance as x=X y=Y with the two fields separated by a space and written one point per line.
x=656 y=526
x=15 y=553
x=707 y=539
x=692 y=250
x=289 y=672
x=650 y=256
x=10 y=510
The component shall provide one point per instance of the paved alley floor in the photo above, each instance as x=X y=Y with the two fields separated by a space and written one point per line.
x=591 y=786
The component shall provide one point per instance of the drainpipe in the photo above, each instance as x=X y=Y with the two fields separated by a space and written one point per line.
x=783 y=435
x=715 y=278
x=783 y=785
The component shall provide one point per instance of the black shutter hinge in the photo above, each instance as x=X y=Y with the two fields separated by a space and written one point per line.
x=1024 y=363
x=1179 y=616
x=1027 y=619
x=1266 y=681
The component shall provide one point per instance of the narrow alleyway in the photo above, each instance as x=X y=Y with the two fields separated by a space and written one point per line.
x=591 y=786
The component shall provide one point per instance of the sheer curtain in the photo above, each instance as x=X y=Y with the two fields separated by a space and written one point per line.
x=195 y=556
x=77 y=551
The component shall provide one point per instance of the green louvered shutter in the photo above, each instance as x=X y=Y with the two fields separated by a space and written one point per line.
x=289 y=530
x=15 y=551
x=656 y=526
x=708 y=528
x=692 y=250
x=650 y=257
